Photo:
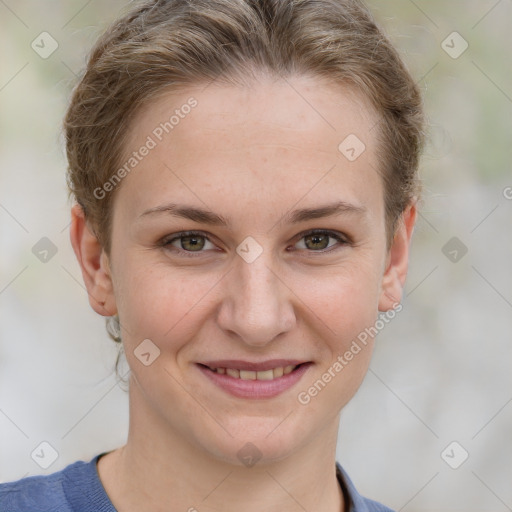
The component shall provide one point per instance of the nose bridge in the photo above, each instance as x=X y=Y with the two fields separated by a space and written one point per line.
x=259 y=287
x=258 y=307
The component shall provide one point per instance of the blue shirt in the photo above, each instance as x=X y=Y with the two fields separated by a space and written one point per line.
x=77 y=488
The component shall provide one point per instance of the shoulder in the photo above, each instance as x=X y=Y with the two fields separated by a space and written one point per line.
x=35 y=493
x=356 y=502
x=62 y=491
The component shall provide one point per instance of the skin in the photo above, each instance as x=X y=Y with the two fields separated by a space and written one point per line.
x=251 y=154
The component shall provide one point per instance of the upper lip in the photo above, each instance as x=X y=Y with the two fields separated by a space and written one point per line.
x=248 y=366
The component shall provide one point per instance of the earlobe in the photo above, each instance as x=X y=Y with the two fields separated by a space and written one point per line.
x=393 y=280
x=94 y=264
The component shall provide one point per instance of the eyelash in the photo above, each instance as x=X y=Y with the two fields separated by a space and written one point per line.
x=342 y=240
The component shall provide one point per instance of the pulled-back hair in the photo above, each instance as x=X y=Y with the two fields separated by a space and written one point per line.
x=171 y=44
x=164 y=45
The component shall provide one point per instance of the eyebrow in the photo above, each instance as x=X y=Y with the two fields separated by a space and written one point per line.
x=204 y=216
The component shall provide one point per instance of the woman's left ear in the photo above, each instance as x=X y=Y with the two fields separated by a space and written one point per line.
x=397 y=261
x=94 y=264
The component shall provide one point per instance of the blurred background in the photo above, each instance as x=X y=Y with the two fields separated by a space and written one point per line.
x=431 y=427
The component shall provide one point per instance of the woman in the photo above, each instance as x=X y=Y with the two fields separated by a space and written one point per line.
x=245 y=175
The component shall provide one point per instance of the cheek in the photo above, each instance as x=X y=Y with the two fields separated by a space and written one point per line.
x=347 y=305
x=160 y=303
x=344 y=298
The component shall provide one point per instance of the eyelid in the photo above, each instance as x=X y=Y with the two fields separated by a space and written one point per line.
x=341 y=238
x=165 y=242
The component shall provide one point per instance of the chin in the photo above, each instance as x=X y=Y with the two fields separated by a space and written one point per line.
x=258 y=441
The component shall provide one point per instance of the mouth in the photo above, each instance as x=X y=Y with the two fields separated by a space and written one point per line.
x=254 y=380
x=270 y=374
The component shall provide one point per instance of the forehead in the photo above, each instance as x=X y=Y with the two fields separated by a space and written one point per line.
x=272 y=138
x=293 y=106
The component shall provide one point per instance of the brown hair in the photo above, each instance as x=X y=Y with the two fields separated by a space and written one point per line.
x=165 y=44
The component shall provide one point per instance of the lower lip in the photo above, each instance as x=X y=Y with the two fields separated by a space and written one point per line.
x=255 y=389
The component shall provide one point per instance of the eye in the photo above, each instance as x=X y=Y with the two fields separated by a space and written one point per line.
x=188 y=242
x=319 y=240
x=193 y=243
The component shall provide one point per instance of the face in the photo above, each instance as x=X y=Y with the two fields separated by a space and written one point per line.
x=246 y=239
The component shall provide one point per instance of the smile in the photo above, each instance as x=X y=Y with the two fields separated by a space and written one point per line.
x=273 y=373
x=253 y=382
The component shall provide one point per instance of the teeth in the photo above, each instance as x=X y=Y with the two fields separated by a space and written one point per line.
x=274 y=373
x=247 y=375
x=278 y=372
x=288 y=369
x=265 y=375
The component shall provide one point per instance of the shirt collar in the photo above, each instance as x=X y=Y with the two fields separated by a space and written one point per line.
x=354 y=502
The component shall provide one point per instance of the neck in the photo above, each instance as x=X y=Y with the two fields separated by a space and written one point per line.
x=159 y=469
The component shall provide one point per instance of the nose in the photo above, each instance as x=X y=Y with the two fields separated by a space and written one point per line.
x=257 y=305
